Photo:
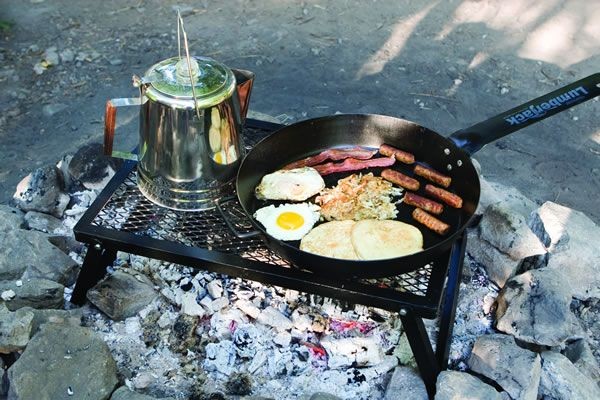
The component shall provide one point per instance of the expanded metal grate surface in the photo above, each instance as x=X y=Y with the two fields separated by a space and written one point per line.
x=129 y=211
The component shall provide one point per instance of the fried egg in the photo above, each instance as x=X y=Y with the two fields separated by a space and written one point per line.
x=296 y=184
x=288 y=221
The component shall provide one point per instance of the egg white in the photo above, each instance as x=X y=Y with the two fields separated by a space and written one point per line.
x=267 y=216
x=296 y=184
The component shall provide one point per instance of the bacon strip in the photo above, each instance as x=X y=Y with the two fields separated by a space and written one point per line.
x=400 y=179
x=447 y=197
x=430 y=221
x=352 y=164
x=357 y=152
x=433 y=176
x=401 y=155
x=422 y=202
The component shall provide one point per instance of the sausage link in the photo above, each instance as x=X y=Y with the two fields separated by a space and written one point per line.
x=400 y=179
x=433 y=176
x=430 y=221
x=422 y=202
x=447 y=197
x=401 y=155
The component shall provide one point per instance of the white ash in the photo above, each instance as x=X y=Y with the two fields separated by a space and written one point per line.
x=263 y=330
x=8 y=295
x=474 y=315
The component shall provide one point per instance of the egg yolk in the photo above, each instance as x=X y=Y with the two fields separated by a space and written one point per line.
x=219 y=158
x=289 y=220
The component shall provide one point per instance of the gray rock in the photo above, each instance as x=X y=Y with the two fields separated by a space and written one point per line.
x=66 y=244
x=496 y=193
x=272 y=317
x=580 y=354
x=515 y=369
x=573 y=241
x=15 y=329
x=535 y=308
x=42 y=190
x=42 y=222
x=453 y=385
x=50 y=316
x=124 y=393
x=509 y=233
x=122 y=294
x=59 y=360
x=561 y=380
x=91 y=167
x=405 y=384
x=32 y=256
x=323 y=396
x=35 y=293
x=10 y=218
x=499 y=266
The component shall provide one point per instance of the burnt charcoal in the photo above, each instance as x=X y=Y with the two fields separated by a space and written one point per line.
x=42 y=191
x=183 y=335
x=239 y=383
x=91 y=167
x=150 y=329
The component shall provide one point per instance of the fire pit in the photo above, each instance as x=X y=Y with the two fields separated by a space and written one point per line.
x=122 y=219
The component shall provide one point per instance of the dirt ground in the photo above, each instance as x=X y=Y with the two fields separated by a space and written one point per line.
x=445 y=64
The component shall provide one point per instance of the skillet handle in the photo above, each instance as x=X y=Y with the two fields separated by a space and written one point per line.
x=475 y=137
x=227 y=218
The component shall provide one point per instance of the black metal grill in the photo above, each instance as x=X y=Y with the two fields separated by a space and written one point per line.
x=121 y=218
x=129 y=211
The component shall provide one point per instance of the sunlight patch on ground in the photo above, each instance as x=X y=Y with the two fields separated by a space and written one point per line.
x=395 y=43
x=596 y=137
x=565 y=39
x=561 y=33
x=478 y=59
x=510 y=16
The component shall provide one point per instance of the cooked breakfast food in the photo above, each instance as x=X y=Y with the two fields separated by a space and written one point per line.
x=423 y=202
x=375 y=240
x=447 y=197
x=288 y=221
x=363 y=240
x=294 y=184
x=430 y=221
x=433 y=176
x=401 y=155
x=356 y=152
x=359 y=197
x=352 y=164
x=331 y=239
x=400 y=179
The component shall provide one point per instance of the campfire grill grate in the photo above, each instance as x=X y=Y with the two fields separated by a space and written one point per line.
x=121 y=218
x=129 y=211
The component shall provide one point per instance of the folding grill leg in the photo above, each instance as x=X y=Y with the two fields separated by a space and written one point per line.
x=93 y=269
x=450 y=299
x=421 y=348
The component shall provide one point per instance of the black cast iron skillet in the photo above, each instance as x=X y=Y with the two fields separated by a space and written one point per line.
x=448 y=155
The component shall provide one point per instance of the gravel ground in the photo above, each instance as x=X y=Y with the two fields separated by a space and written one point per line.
x=443 y=64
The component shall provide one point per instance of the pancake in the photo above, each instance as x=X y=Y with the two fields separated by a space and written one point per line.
x=376 y=240
x=331 y=239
